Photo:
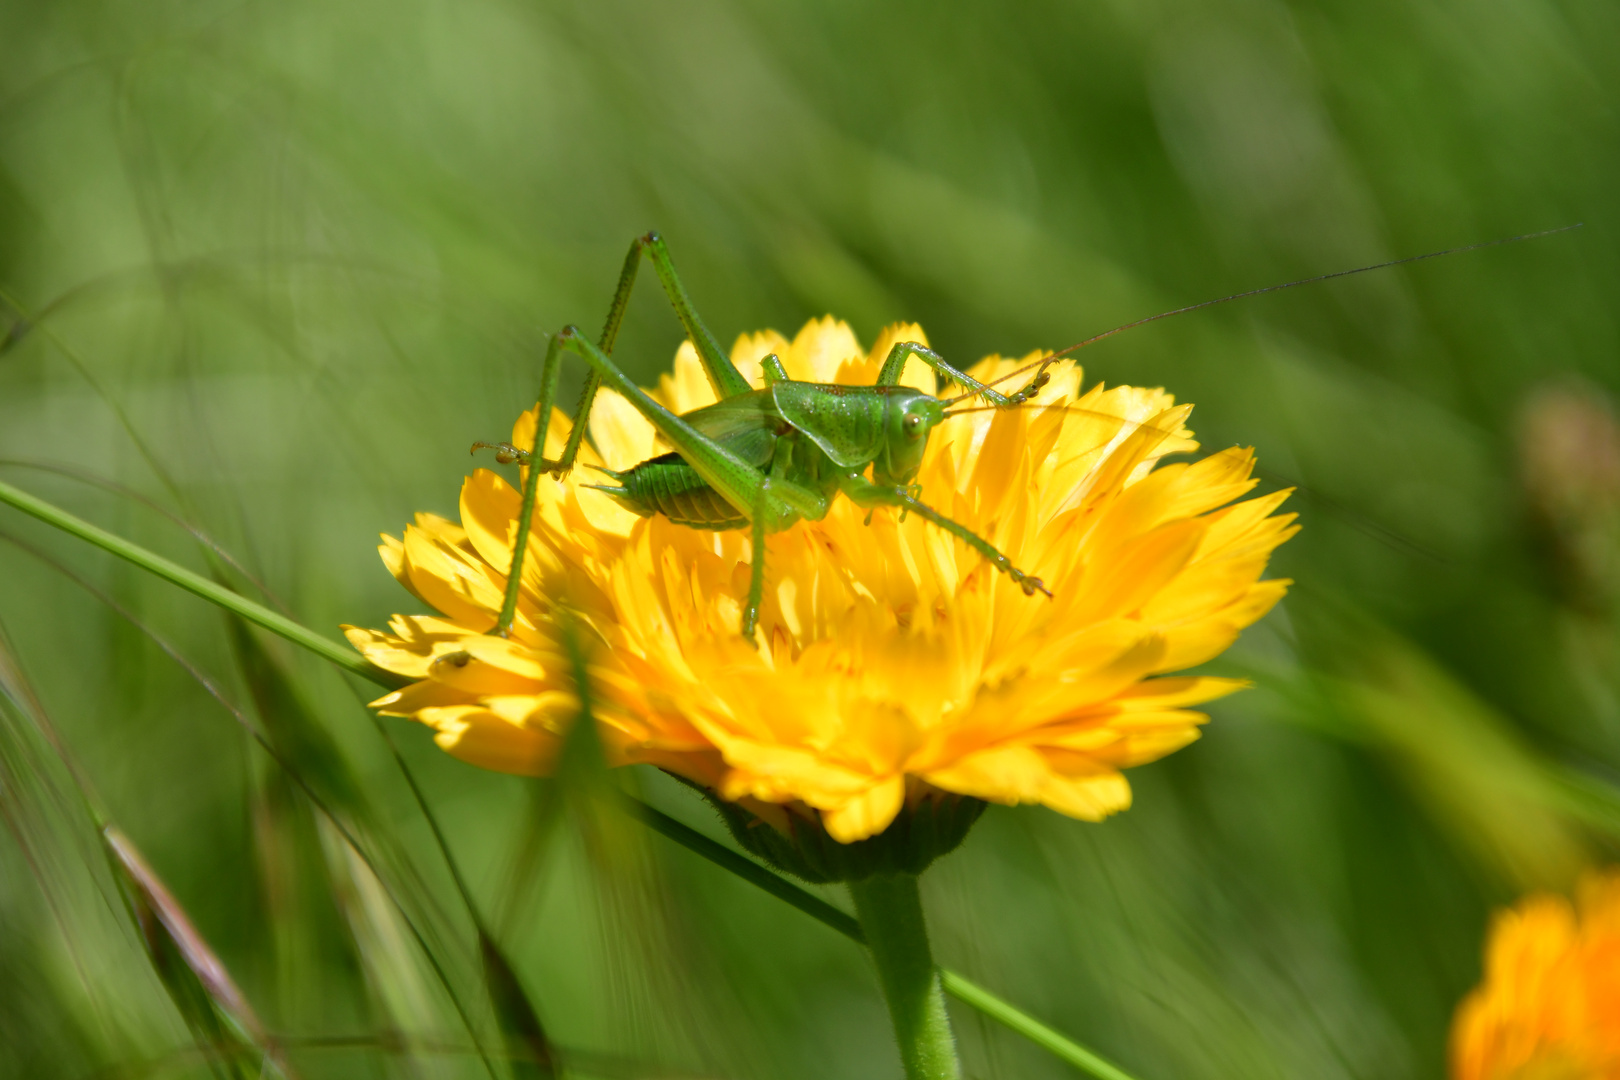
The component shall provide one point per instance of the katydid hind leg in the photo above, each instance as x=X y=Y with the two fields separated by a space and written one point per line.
x=723 y=374
x=550 y=375
x=736 y=481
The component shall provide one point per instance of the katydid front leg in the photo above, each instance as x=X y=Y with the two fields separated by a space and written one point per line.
x=723 y=374
x=536 y=463
x=862 y=492
x=895 y=363
x=756 y=569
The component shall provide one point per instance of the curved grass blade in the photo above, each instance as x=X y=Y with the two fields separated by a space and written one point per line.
x=971 y=993
x=392 y=968
x=531 y=1052
x=301 y=739
x=195 y=583
x=212 y=547
x=515 y=1013
x=224 y=1024
x=40 y=814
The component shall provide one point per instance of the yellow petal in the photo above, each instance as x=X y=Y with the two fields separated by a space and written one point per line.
x=479 y=737
x=867 y=815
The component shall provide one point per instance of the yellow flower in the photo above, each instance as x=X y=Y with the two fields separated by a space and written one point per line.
x=1549 y=1008
x=894 y=664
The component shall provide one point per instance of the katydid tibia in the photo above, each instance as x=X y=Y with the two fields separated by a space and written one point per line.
x=765 y=459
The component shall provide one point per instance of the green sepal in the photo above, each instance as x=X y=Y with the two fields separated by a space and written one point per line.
x=920 y=834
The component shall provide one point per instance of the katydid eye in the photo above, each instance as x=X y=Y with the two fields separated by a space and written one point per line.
x=912 y=423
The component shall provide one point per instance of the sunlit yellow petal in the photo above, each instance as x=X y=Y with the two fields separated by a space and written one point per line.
x=480 y=737
x=868 y=814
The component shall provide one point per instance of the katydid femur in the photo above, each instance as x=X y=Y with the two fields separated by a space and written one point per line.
x=761 y=460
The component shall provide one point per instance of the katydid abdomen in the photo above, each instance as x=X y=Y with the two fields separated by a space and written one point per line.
x=668 y=486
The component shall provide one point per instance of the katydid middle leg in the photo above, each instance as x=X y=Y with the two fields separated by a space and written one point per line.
x=864 y=493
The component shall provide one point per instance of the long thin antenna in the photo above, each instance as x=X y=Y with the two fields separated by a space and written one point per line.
x=1045 y=360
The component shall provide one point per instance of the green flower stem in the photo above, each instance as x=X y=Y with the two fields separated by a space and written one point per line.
x=891 y=915
x=959 y=987
x=324 y=647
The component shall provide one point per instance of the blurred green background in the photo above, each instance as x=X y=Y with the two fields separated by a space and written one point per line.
x=274 y=266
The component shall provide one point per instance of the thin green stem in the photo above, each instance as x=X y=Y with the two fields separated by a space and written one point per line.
x=890 y=909
x=745 y=868
x=192 y=582
x=963 y=989
x=971 y=993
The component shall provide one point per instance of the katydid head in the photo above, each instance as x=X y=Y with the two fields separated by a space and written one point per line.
x=909 y=417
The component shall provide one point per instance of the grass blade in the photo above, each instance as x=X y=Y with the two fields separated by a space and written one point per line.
x=745 y=868
x=223 y=1022
x=322 y=646
x=971 y=993
x=530 y=1050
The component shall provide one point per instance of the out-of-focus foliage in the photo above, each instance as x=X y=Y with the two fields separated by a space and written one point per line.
x=273 y=267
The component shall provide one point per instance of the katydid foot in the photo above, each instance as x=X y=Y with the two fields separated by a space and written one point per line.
x=506 y=454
